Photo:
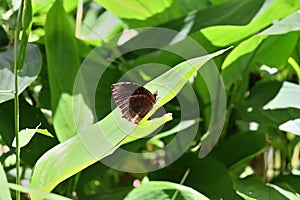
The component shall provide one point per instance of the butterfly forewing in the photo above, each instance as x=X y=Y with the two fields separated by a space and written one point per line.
x=121 y=93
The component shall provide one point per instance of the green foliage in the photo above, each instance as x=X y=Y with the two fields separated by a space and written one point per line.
x=244 y=144
x=4 y=190
x=62 y=54
x=149 y=191
x=26 y=28
x=30 y=71
x=107 y=134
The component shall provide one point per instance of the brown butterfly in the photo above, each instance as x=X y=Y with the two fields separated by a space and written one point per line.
x=134 y=100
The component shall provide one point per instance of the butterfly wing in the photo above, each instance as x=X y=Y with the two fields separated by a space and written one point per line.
x=121 y=93
x=139 y=106
x=134 y=100
x=144 y=91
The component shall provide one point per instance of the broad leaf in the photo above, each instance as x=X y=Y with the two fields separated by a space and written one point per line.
x=291 y=180
x=25 y=135
x=63 y=64
x=227 y=35
x=240 y=148
x=253 y=187
x=253 y=110
x=4 y=190
x=289 y=195
x=33 y=192
x=30 y=71
x=287 y=97
x=182 y=125
x=30 y=116
x=154 y=190
x=207 y=175
x=83 y=150
x=280 y=36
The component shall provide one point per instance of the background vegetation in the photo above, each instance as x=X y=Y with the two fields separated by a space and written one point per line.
x=257 y=155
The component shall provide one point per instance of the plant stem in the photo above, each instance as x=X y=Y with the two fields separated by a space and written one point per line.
x=181 y=183
x=17 y=115
x=16 y=97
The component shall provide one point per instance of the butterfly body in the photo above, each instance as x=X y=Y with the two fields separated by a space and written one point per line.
x=134 y=100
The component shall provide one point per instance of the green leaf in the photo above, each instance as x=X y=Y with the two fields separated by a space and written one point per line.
x=3 y=38
x=296 y=67
x=44 y=132
x=270 y=51
x=264 y=48
x=240 y=148
x=181 y=126
x=253 y=187
x=83 y=150
x=30 y=71
x=154 y=190
x=26 y=135
x=286 y=25
x=63 y=64
x=33 y=192
x=245 y=197
x=291 y=180
x=207 y=175
x=132 y=137
x=73 y=155
x=269 y=118
x=227 y=35
x=253 y=110
x=26 y=27
x=287 y=194
x=135 y=9
x=142 y=13
x=39 y=6
x=103 y=27
x=186 y=16
x=4 y=189
x=287 y=97
x=30 y=117
x=259 y=97
x=260 y=48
